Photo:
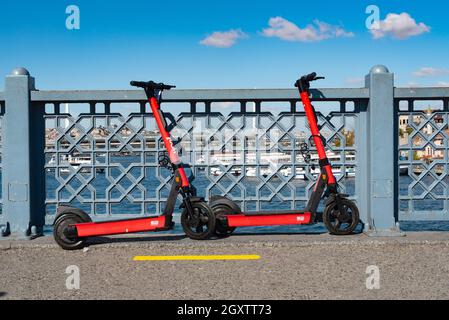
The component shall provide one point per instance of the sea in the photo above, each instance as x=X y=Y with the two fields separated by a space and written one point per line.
x=101 y=183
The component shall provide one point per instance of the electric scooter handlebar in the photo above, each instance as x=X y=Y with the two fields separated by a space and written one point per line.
x=151 y=85
x=311 y=77
x=303 y=84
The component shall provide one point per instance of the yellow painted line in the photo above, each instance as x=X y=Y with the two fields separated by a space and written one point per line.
x=197 y=258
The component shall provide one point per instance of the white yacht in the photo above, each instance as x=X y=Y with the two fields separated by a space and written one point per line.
x=72 y=161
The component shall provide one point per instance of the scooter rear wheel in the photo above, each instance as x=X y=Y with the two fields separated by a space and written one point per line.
x=201 y=224
x=220 y=211
x=59 y=231
x=343 y=220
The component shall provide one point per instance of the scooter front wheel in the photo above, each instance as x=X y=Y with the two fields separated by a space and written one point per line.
x=343 y=219
x=200 y=224
x=60 y=231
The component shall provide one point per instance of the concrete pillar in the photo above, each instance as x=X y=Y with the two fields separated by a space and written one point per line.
x=382 y=165
x=23 y=176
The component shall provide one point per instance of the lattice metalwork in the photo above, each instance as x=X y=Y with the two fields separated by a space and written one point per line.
x=423 y=162
x=107 y=163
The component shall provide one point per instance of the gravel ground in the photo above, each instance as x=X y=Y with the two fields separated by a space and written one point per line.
x=291 y=267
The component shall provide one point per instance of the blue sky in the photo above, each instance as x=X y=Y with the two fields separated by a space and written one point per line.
x=161 y=40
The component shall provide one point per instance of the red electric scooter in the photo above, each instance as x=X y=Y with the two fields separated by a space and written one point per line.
x=340 y=216
x=73 y=226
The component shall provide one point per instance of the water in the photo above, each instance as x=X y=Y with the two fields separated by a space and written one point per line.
x=102 y=183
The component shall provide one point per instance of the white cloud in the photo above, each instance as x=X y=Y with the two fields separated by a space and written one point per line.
x=223 y=39
x=399 y=26
x=417 y=85
x=413 y=84
x=355 y=81
x=286 y=30
x=430 y=72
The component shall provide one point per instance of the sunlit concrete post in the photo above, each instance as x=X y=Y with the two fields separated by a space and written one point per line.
x=23 y=179
x=381 y=169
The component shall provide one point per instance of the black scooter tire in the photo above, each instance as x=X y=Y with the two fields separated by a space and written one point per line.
x=329 y=218
x=194 y=226
x=61 y=224
x=222 y=210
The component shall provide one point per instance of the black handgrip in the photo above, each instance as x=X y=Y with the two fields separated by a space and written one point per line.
x=311 y=77
x=139 y=84
x=151 y=85
x=303 y=84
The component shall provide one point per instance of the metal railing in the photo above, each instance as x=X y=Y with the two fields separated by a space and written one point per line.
x=98 y=150
x=107 y=163
x=423 y=153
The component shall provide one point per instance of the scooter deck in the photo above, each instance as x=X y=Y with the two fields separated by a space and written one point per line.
x=263 y=219
x=274 y=213
x=91 y=229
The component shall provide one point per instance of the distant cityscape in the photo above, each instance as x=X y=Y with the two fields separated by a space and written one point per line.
x=217 y=145
x=202 y=139
x=423 y=150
